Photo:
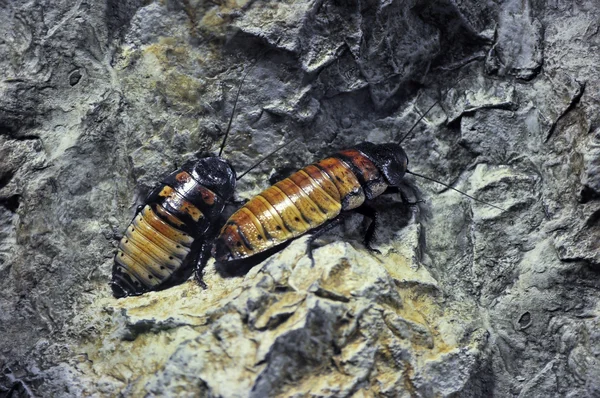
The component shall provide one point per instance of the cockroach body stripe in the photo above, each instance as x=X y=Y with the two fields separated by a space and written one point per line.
x=172 y=232
x=310 y=198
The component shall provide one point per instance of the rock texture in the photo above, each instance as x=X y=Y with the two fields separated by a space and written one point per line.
x=99 y=99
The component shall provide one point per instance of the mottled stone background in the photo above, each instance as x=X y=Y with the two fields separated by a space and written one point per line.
x=98 y=99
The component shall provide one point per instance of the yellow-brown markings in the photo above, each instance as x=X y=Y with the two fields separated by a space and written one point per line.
x=369 y=172
x=341 y=175
x=232 y=238
x=192 y=210
x=181 y=238
x=289 y=213
x=303 y=203
x=165 y=214
x=183 y=177
x=177 y=201
x=188 y=184
x=167 y=244
x=269 y=219
x=262 y=226
x=151 y=268
x=288 y=209
x=151 y=248
x=135 y=270
x=367 y=168
x=326 y=203
x=253 y=230
x=324 y=181
x=207 y=195
x=159 y=254
x=297 y=204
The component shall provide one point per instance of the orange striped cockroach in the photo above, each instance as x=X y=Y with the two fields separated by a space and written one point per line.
x=172 y=232
x=312 y=198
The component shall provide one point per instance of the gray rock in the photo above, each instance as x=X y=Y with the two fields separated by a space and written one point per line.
x=98 y=100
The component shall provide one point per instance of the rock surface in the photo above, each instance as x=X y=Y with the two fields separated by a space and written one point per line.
x=99 y=99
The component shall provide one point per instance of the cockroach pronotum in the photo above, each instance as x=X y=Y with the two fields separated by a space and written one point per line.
x=310 y=199
x=171 y=234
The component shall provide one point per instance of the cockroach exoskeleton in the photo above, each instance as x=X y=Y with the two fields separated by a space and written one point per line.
x=311 y=200
x=171 y=233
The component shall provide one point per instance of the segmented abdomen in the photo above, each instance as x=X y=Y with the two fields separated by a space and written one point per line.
x=152 y=249
x=162 y=235
x=299 y=203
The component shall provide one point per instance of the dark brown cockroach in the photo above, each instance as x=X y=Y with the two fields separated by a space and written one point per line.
x=171 y=234
x=310 y=199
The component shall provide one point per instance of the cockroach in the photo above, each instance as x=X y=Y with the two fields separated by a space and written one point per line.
x=171 y=233
x=312 y=198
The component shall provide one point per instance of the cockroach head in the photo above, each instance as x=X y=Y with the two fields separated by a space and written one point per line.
x=215 y=173
x=390 y=159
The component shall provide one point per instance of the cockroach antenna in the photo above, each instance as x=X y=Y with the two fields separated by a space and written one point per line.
x=454 y=189
x=428 y=110
x=418 y=121
x=237 y=96
x=432 y=179
x=265 y=158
